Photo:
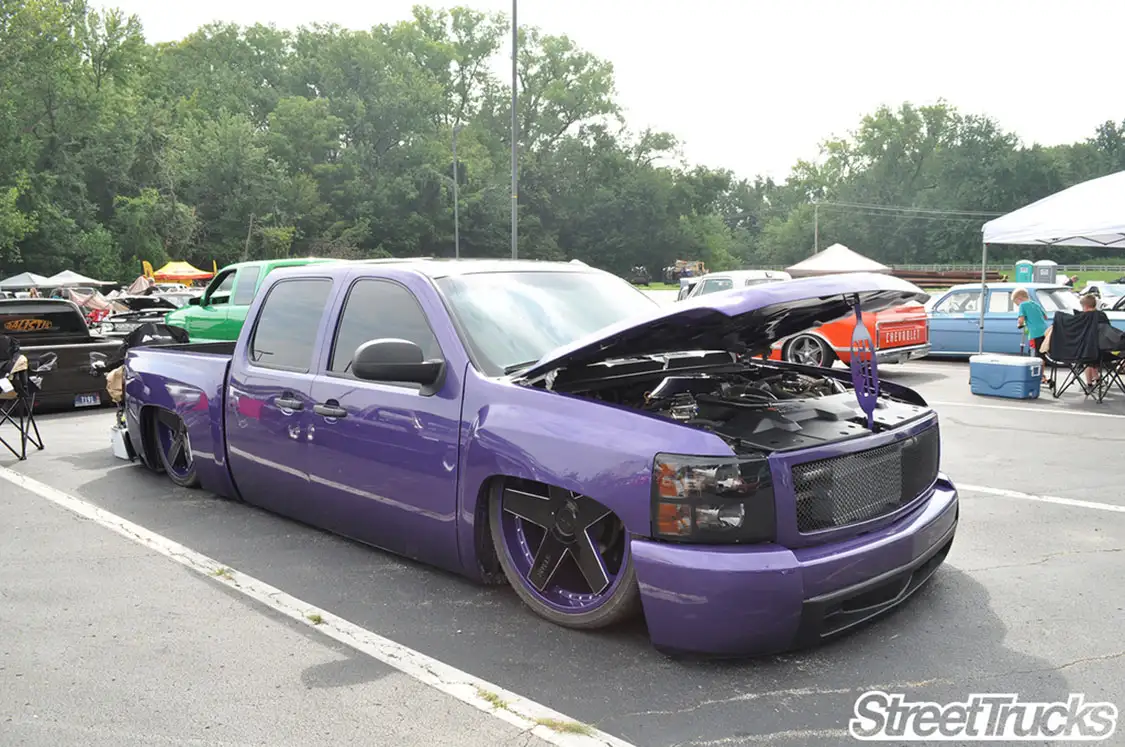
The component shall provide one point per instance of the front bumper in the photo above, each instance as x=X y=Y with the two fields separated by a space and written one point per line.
x=737 y=601
x=903 y=354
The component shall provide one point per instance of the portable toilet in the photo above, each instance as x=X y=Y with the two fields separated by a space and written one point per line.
x=1045 y=271
x=1025 y=271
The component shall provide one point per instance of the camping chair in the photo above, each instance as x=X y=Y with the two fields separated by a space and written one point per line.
x=1080 y=341
x=17 y=398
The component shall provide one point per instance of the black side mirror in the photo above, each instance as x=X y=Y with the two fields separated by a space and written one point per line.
x=194 y=301
x=399 y=361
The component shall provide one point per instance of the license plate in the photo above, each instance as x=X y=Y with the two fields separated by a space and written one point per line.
x=87 y=400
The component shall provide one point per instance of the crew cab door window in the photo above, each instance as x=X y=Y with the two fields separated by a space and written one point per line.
x=377 y=309
x=220 y=289
x=285 y=334
x=247 y=284
x=999 y=302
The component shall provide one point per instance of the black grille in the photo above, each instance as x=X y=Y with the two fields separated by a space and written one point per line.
x=850 y=489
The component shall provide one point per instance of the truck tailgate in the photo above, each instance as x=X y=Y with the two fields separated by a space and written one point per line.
x=68 y=381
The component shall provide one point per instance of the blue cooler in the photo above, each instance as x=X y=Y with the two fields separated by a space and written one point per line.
x=1011 y=376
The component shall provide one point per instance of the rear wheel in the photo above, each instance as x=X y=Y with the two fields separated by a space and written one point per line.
x=566 y=555
x=808 y=350
x=173 y=448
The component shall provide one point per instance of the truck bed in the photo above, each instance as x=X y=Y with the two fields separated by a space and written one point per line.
x=190 y=380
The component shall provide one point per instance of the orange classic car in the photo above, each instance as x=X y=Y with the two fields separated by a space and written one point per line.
x=900 y=334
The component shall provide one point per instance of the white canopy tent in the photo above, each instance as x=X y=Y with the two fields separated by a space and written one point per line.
x=69 y=278
x=1090 y=214
x=23 y=281
x=834 y=260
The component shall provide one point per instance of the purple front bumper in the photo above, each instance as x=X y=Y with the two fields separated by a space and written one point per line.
x=749 y=601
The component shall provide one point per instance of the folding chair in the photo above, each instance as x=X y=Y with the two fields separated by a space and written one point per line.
x=1079 y=341
x=18 y=389
x=1111 y=343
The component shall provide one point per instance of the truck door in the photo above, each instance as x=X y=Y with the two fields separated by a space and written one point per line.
x=206 y=321
x=268 y=407
x=383 y=458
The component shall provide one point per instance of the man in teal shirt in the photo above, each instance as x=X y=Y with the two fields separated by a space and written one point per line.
x=1033 y=319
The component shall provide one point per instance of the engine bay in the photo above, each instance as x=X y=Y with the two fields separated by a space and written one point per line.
x=764 y=408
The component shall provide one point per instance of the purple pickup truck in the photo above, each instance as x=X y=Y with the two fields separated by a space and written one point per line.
x=548 y=425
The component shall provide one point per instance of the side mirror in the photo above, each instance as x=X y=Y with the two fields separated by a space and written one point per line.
x=194 y=301
x=399 y=361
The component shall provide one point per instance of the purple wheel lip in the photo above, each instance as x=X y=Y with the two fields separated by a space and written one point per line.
x=512 y=528
x=165 y=444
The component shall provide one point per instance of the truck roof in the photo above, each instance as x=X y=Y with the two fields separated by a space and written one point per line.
x=439 y=268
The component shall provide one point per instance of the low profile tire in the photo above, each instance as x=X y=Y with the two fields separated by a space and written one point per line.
x=566 y=555
x=809 y=350
x=173 y=448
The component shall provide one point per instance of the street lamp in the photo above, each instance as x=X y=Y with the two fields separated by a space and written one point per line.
x=456 y=206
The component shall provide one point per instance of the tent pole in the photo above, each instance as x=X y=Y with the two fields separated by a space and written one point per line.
x=983 y=293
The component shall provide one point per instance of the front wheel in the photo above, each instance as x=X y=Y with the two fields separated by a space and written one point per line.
x=566 y=555
x=808 y=350
x=173 y=447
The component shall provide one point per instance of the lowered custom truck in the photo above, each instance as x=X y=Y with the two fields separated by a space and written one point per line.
x=53 y=335
x=550 y=426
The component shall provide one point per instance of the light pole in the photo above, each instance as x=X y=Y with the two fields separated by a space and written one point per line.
x=456 y=205
x=515 y=131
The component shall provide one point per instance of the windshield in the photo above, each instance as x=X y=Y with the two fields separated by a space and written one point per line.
x=512 y=318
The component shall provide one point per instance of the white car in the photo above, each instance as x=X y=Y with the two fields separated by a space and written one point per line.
x=716 y=282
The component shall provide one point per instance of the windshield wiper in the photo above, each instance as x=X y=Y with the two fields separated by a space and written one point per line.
x=518 y=366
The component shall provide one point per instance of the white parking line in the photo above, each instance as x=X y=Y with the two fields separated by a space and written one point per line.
x=515 y=709
x=1042 y=498
x=1048 y=410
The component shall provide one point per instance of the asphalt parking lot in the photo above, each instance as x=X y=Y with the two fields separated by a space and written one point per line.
x=1029 y=601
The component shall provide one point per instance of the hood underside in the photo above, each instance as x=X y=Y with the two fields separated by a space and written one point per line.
x=745 y=321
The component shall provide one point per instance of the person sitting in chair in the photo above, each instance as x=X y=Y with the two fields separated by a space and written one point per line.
x=1090 y=304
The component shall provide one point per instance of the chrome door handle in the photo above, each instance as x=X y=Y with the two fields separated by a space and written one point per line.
x=289 y=404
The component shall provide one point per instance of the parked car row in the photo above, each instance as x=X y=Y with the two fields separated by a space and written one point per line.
x=955 y=317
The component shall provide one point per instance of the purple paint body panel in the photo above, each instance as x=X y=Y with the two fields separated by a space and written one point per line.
x=860 y=515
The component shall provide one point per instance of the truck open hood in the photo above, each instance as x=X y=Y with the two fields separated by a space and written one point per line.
x=747 y=320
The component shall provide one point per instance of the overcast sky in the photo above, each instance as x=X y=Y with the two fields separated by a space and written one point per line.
x=753 y=85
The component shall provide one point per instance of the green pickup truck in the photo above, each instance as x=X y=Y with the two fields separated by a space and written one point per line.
x=219 y=313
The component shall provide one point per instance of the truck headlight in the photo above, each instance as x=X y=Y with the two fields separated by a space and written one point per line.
x=713 y=499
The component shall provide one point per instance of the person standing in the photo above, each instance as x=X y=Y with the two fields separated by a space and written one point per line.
x=1032 y=319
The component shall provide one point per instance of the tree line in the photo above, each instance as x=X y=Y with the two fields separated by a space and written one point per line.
x=252 y=142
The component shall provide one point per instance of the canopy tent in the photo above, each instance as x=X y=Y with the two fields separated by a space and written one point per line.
x=22 y=281
x=834 y=260
x=1090 y=214
x=94 y=301
x=179 y=272
x=69 y=278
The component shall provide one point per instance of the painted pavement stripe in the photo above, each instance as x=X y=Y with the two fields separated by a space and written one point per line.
x=1049 y=410
x=516 y=710
x=1073 y=502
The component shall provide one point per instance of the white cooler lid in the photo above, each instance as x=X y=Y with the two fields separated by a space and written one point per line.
x=1005 y=360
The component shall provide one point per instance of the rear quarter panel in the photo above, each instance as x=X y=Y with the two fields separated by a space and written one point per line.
x=900 y=326
x=191 y=385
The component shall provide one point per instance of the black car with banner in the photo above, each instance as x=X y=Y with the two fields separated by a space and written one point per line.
x=53 y=335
